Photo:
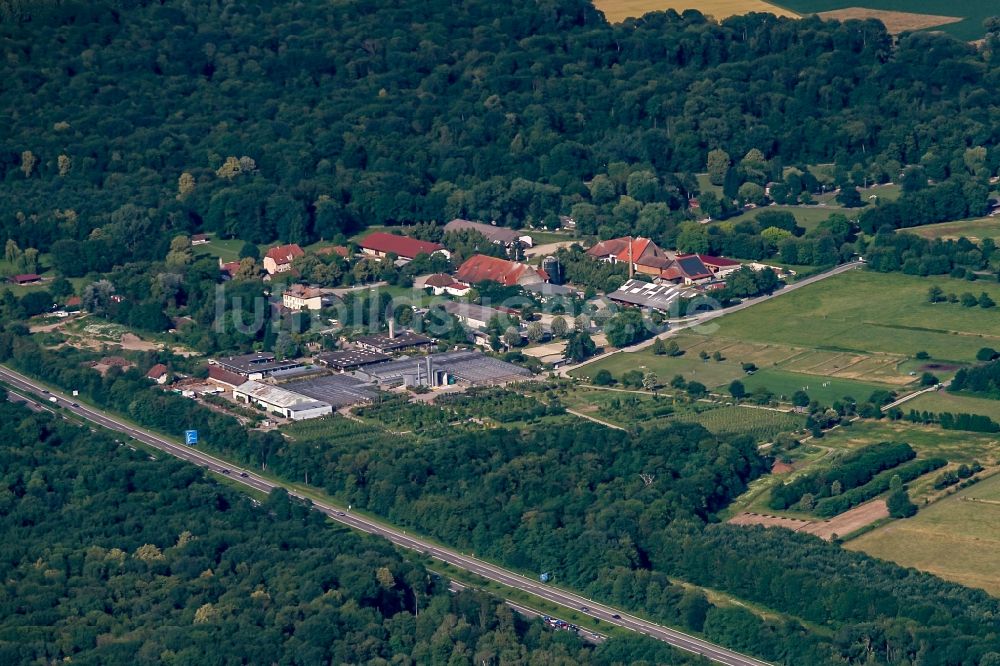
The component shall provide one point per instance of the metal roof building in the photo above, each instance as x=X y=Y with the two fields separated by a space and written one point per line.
x=281 y=401
x=649 y=295
x=466 y=367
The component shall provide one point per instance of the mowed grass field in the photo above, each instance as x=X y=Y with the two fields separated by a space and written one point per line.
x=928 y=441
x=619 y=10
x=867 y=312
x=943 y=401
x=955 y=538
x=972 y=12
x=978 y=229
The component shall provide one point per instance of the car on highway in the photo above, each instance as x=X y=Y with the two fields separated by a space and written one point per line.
x=584 y=609
x=617 y=616
x=244 y=474
x=225 y=471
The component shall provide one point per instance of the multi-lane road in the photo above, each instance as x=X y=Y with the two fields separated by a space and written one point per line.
x=247 y=477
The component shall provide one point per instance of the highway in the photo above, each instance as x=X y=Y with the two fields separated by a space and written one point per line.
x=603 y=612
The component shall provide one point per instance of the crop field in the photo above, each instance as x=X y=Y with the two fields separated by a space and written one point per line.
x=619 y=10
x=909 y=14
x=866 y=312
x=763 y=424
x=956 y=538
x=929 y=441
x=976 y=230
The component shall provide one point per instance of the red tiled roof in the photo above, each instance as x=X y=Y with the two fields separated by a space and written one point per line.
x=718 y=262
x=157 y=371
x=672 y=273
x=73 y=301
x=481 y=268
x=401 y=246
x=225 y=376
x=284 y=254
x=25 y=277
x=439 y=280
x=644 y=251
x=230 y=267
x=339 y=250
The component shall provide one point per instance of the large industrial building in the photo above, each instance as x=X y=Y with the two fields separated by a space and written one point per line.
x=280 y=401
x=470 y=368
x=252 y=366
x=663 y=296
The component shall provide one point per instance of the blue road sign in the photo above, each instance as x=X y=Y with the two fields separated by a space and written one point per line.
x=190 y=437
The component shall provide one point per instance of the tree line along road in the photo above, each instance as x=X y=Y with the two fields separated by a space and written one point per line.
x=492 y=572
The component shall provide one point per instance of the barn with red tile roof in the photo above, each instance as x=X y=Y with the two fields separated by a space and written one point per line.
x=481 y=268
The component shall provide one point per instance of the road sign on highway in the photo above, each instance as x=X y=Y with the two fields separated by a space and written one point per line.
x=190 y=437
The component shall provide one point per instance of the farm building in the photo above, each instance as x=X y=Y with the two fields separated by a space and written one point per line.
x=253 y=366
x=545 y=291
x=381 y=244
x=26 y=278
x=499 y=235
x=158 y=373
x=662 y=297
x=349 y=359
x=641 y=254
x=200 y=239
x=471 y=368
x=686 y=269
x=280 y=401
x=279 y=259
x=481 y=268
x=442 y=283
x=471 y=315
x=720 y=266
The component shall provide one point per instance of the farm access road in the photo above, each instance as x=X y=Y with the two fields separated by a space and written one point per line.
x=678 y=325
x=603 y=612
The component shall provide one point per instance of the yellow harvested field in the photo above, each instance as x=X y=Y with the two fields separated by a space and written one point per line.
x=895 y=22
x=619 y=10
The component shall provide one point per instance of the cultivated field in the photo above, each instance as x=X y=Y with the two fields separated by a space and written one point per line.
x=970 y=13
x=867 y=312
x=976 y=230
x=842 y=525
x=929 y=441
x=619 y=10
x=895 y=22
x=955 y=538
x=762 y=424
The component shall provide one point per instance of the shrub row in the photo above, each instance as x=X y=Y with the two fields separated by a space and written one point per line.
x=831 y=506
x=850 y=472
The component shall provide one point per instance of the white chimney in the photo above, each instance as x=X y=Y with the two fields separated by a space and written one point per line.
x=392 y=328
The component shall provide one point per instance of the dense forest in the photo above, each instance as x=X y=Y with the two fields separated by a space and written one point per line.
x=111 y=558
x=128 y=123
x=612 y=514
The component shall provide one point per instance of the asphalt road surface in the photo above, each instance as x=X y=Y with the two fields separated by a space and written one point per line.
x=612 y=616
x=702 y=318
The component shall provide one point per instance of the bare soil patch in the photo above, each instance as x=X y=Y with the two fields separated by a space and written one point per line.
x=895 y=22
x=849 y=521
x=842 y=525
